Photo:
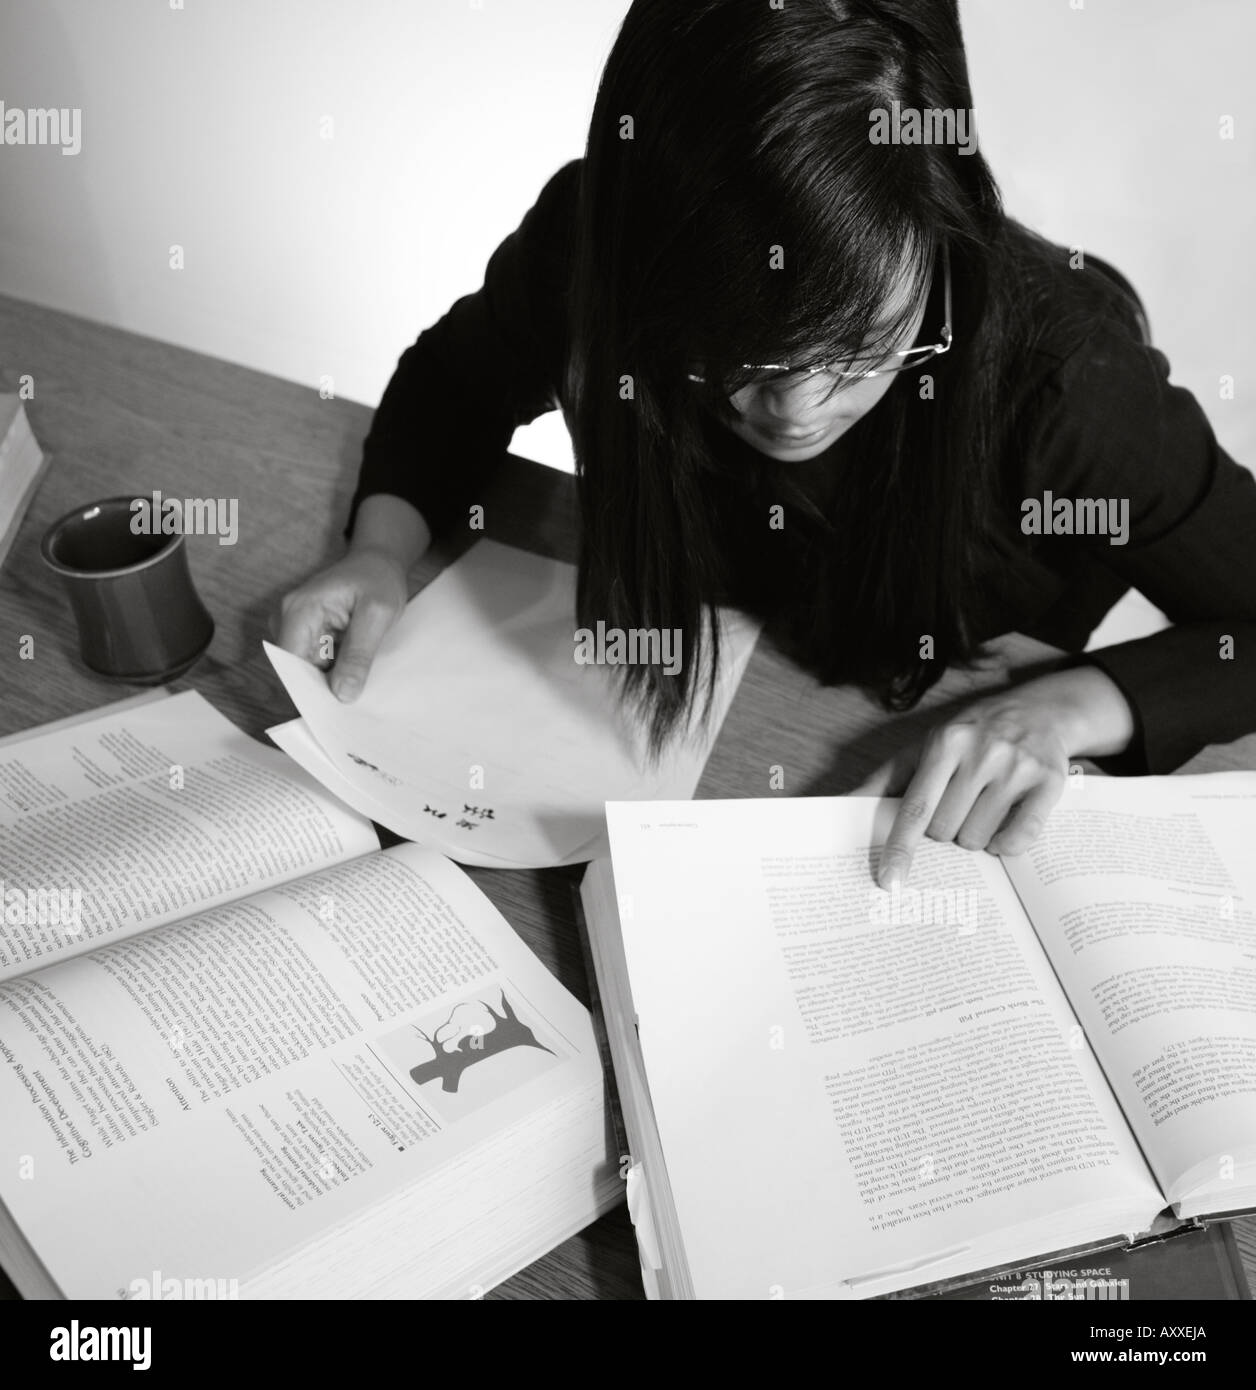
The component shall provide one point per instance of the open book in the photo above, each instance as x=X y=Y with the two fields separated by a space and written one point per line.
x=836 y=1091
x=245 y=1053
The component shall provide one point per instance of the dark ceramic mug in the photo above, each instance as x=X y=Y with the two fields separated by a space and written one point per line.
x=139 y=617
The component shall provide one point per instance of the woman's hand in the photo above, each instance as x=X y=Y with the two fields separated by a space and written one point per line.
x=353 y=602
x=988 y=778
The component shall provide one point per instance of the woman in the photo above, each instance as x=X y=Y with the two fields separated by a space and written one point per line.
x=811 y=368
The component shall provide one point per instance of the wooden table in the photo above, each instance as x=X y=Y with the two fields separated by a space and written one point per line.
x=122 y=414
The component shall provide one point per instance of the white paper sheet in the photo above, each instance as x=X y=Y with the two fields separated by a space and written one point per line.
x=479 y=734
x=303 y=748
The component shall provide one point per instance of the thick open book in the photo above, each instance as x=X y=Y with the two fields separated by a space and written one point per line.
x=836 y=1091
x=243 y=1052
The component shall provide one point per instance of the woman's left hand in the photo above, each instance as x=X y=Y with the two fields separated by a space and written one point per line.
x=988 y=778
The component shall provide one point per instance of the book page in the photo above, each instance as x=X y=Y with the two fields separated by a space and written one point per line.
x=872 y=1083
x=205 y=1097
x=1143 y=892
x=147 y=815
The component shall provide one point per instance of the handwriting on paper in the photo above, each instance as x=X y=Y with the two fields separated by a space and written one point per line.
x=463 y=822
x=378 y=771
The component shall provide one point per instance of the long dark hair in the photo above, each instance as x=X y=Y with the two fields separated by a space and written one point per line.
x=721 y=129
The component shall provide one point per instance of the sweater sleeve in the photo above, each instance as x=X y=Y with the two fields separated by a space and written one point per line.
x=491 y=364
x=1113 y=427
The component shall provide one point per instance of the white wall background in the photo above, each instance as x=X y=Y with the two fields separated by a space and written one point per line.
x=308 y=256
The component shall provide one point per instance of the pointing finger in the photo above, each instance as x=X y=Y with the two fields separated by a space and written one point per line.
x=915 y=811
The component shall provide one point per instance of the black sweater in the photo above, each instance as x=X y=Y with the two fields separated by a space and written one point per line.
x=1103 y=422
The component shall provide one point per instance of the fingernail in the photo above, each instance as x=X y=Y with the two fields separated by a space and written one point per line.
x=347 y=690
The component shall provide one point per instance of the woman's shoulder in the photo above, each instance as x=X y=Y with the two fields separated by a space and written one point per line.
x=1067 y=304
x=534 y=262
x=1078 y=354
x=1088 y=401
x=1093 y=404
x=552 y=217
x=562 y=188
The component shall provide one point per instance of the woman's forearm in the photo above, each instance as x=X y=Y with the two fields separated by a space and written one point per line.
x=388 y=523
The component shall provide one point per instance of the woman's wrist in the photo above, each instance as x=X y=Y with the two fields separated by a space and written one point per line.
x=1096 y=718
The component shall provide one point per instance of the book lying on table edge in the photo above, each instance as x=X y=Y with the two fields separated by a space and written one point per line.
x=244 y=1052
x=1003 y=1062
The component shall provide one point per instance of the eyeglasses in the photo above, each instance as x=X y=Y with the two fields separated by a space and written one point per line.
x=908 y=357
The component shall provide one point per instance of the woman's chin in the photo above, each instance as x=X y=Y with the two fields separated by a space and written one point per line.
x=787 y=450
